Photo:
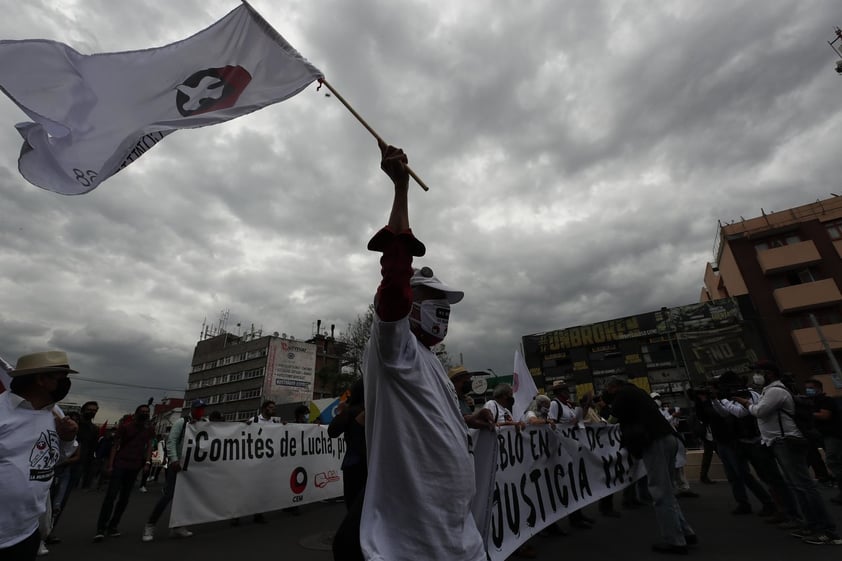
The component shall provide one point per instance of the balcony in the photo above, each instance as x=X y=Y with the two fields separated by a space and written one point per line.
x=807 y=340
x=807 y=295
x=791 y=256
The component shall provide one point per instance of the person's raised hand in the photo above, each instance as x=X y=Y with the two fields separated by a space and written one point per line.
x=394 y=163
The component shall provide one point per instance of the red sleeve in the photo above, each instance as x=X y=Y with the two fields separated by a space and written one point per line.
x=394 y=296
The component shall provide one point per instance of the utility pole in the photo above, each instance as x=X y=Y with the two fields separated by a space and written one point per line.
x=836 y=375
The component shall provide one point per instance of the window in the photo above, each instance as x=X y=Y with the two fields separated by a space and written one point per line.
x=243 y=415
x=236 y=377
x=232 y=396
x=777 y=241
x=230 y=417
x=213 y=399
x=834 y=229
x=253 y=373
x=249 y=394
x=795 y=277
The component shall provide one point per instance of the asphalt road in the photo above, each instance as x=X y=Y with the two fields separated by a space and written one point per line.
x=723 y=536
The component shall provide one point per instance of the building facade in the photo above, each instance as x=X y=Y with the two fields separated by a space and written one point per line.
x=230 y=372
x=667 y=351
x=788 y=263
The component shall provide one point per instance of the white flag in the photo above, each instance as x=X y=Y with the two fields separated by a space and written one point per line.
x=95 y=114
x=5 y=378
x=523 y=385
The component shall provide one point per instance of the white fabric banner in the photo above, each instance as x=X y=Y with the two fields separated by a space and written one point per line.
x=544 y=474
x=95 y=114
x=235 y=469
x=525 y=480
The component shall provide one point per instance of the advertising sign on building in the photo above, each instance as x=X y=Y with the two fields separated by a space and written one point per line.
x=290 y=371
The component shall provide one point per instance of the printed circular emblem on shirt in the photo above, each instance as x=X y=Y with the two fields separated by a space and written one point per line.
x=211 y=89
x=298 y=480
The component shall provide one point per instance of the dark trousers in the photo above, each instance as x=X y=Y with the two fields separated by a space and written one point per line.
x=763 y=461
x=815 y=461
x=353 y=483
x=122 y=481
x=26 y=550
x=707 y=457
x=735 y=461
x=346 y=542
x=169 y=491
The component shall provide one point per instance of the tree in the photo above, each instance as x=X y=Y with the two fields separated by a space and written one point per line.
x=444 y=358
x=355 y=340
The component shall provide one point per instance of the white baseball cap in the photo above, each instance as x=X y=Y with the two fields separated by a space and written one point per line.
x=425 y=277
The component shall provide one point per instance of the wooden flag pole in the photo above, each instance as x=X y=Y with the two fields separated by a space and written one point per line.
x=369 y=129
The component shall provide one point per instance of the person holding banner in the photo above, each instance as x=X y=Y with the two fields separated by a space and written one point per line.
x=500 y=406
x=648 y=435
x=421 y=475
x=175 y=442
x=34 y=437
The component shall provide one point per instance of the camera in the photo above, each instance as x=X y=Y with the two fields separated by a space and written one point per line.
x=730 y=392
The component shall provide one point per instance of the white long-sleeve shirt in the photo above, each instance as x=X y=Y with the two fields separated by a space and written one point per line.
x=773 y=411
x=29 y=451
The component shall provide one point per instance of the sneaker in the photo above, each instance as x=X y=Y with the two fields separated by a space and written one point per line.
x=688 y=494
x=99 y=536
x=148 y=533
x=113 y=533
x=42 y=549
x=143 y=489
x=789 y=525
x=824 y=539
x=180 y=532
x=802 y=533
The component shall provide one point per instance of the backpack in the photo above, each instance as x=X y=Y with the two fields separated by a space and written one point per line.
x=802 y=416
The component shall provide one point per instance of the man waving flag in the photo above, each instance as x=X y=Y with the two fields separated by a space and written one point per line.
x=95 y=114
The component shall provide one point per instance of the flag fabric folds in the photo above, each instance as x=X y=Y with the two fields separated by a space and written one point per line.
x=95 y=114
x=525 y=389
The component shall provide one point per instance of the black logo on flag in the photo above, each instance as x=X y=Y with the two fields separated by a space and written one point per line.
x=211 y=90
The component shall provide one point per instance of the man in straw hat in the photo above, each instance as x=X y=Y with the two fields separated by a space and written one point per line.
x=421 y=474
x=32 y=441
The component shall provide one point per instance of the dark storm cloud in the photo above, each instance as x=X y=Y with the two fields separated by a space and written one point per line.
x=579 y=156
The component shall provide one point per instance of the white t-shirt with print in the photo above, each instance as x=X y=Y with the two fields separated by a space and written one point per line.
x=420 y=472
x=29 y=450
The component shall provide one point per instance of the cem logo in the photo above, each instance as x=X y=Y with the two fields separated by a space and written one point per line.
x=298 y=482
x=211 y=89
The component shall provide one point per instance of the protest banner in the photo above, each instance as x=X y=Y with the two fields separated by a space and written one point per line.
x=234 y=469
x=543 y=474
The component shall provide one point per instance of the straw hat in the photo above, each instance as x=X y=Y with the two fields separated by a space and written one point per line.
x=42 y=363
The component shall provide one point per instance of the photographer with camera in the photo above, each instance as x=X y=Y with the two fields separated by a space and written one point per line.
x=775 y=412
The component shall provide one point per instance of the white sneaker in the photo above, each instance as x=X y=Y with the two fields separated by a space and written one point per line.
x=181 y=532
x=42 y=549
x=143 y=489
x=148 y=533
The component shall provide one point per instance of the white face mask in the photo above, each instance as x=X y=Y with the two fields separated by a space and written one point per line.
x=434 y=316
x=758 y=379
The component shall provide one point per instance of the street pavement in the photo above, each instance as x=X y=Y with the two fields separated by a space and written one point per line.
x=723 y=536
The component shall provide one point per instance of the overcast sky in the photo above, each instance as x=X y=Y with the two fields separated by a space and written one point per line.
x=578 y=153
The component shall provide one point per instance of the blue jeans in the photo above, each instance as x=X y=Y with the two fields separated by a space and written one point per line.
x=659 y=459
x=791 y=454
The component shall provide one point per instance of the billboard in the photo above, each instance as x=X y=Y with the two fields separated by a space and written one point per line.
x=290 y=371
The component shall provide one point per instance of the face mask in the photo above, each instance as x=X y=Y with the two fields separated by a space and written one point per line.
x=543 y=411
x=758 y=379
x=141 y=418
x=811 y=392
x=433 y=317
x=88 y=416
x=61 y=391
x=466 y=388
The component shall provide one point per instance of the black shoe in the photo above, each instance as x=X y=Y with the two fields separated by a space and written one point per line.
x=742 y=508
x=691 y=539
x=687 y=494
x=113 y=533
x=670 y=548
x=52 y=540
x=707 y=481
x=259 y=519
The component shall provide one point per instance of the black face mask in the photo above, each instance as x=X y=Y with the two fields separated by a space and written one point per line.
x=141 y=418
x=61 y=391
x=88 y=415
x=466 y=388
